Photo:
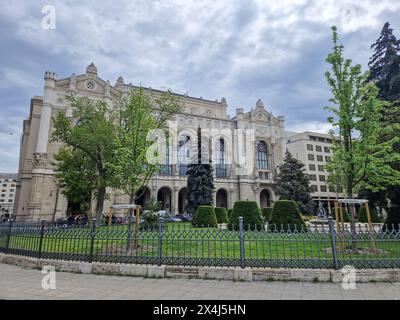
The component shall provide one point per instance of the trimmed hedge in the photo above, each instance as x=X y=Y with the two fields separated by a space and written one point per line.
x=392 y=220
x=267 y=213
x=251 y=214
x=205 y=216
x=230 y=213
x=222 y=216
x=286 y=216
x=362 y=215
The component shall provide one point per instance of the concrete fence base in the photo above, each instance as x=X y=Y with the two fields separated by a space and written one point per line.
x=216 y=273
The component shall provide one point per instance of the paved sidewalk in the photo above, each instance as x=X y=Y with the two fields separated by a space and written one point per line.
x=19 y=283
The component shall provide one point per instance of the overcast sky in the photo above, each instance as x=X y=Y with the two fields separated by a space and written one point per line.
x=241 y=50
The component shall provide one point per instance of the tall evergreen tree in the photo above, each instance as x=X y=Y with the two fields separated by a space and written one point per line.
x=385 y=64
x=292 y=183
x=385 y=73
x=200 y=182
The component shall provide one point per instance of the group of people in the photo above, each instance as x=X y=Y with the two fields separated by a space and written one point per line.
x=77 y=219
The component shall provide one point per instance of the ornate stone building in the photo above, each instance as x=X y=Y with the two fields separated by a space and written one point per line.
x=38 y=195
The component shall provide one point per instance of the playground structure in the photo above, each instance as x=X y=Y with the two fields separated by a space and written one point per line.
x=340 y=226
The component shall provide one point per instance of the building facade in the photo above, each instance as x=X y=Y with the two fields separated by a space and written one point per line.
x=38 y=196
x=314 y=151
x=8 y=185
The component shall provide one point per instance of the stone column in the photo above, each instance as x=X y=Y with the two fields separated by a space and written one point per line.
x=175 y=200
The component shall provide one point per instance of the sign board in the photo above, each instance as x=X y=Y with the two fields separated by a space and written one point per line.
x=352 y=201
x=123 y=206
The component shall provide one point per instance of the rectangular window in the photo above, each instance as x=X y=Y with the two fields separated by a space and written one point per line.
x=311 y=167
x=320 y=158
x=322 y=178
x=310 y=147
x=332 y=189
x=1 y=200
x=313 y=177
x=314 y=188
x=311 y=157
x=327 y=149
x=3 y=195
x=318 y=148
x=339 y=189
x=10 y=200
x=327 y=158
x=323 y=188
x=321 y=168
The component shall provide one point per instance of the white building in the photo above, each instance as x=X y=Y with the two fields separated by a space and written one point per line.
x=8 y=183
x=314 y=150
x=38 y=195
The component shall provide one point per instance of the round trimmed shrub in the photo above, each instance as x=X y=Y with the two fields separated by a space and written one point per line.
x=251 y=214
x=286 y=216
x=229 y=213
x=267 y=213
x=362 y=215
x=205 y=216
x=392 y=221
x=222 y=216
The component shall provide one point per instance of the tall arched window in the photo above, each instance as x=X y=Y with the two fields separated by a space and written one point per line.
x=184 y=154
x=262 y=155
x=220 y=158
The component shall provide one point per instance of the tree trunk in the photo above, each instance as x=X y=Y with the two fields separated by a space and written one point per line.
x=100 y=203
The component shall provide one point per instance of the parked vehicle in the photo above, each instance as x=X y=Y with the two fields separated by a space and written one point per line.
x=184 y=217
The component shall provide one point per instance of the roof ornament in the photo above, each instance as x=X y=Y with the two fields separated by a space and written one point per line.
x=259 y=104
x=91 y=69
x=223 y=101
x=72 y=82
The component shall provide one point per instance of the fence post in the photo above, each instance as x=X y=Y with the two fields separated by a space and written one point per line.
x=9 y=236
x=333 y=240
x=92 y=237
x=42 y=224
x=159 y=249
x=241 y=237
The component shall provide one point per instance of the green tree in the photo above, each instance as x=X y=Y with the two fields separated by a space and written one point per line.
x=141 y=142
x=292 y=183
x=286 y=216
x=76 y=175
x=200 y=182
x=385 y=73
x=357 y=155
x=91 y=131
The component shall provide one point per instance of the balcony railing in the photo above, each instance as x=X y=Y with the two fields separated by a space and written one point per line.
x=165 y=170
x=183 y=168
x=264 y=175
x=220 y=171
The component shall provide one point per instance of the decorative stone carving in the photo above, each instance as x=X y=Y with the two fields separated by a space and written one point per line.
x=255 y=186
x=259 y=104
x=72 y=83
x=107 y=89
x=39 y=160
x=91 y=69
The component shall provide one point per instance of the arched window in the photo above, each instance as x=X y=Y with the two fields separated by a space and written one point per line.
x=184 y=154
x=220 y=158
x=262 y=160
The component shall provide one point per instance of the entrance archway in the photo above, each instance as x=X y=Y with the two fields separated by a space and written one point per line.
x=182 y=202
x=222 y=199
x=265 y=199
x=144 y=197
x=164 y=197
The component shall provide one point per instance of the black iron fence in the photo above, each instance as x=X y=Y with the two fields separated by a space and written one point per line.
x=319 y=246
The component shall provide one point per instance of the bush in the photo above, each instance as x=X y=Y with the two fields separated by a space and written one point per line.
x=267 y=213
x=251 y=214
x=393 y=219
x=222 y=216
x=230 y=213
x=362 y=215
x=205 y=216
x=286 y=216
